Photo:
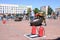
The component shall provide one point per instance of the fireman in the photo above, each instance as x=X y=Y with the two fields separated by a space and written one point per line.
x=38 y=25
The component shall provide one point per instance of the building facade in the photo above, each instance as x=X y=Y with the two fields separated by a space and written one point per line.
x=57 y=11
x=44 y=9
x=47 y=9
x=13 y=9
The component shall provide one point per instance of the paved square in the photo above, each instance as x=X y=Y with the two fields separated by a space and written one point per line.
x=15 y=30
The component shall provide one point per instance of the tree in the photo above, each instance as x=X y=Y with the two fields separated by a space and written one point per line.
x=28 y=10
x=36 y=10
x=50 y=10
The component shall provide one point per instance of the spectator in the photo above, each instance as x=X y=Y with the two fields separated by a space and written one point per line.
x=57 y=14
x=54 y=16
x=24 y=14
x=26 y=17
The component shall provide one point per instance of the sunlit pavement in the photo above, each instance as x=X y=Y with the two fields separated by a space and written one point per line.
x=15 y=30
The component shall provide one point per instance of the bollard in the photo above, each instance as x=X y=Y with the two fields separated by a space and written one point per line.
x=33 y=30
x=41 y=31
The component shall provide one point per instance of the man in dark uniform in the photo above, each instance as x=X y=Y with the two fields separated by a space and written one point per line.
x=40 y=18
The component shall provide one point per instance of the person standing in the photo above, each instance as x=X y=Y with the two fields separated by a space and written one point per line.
x=32 y=15
x=24 y=15
x=57 y=14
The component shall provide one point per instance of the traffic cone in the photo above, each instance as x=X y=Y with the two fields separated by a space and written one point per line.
x=33 y=30
x=4 y=21
x=41 y=32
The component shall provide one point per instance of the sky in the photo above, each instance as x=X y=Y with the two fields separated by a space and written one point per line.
x=35 y=3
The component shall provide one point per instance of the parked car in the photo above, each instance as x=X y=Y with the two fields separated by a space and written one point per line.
x=19 y=17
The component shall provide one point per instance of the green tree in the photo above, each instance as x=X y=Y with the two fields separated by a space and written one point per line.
x=50 y=10
x=28 y=10
x=36 y=10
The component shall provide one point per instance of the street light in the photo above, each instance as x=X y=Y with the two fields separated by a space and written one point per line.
x=3 y=10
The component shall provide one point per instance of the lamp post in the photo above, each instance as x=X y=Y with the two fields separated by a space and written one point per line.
x=3 y=10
